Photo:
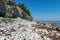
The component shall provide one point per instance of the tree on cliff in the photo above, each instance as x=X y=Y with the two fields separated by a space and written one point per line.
x=23 y=7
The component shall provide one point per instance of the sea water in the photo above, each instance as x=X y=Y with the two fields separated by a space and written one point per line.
x=47 y=22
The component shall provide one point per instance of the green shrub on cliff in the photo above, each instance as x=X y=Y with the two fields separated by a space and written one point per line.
x=3 y=15
x=23 y=7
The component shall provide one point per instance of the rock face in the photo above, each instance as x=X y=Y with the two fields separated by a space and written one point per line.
x=9 y=7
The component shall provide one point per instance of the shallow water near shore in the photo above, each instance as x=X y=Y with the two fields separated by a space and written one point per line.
x=47 y=22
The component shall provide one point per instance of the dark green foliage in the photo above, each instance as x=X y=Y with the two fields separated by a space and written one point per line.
x=23 y=7
x=3 y=15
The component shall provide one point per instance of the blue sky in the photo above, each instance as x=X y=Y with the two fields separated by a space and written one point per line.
x=43 y=10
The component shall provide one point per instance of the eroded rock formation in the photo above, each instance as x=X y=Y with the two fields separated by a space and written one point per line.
x=10 y=9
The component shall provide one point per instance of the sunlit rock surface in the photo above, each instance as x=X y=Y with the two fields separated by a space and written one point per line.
x=9 y=8
x=20 y=29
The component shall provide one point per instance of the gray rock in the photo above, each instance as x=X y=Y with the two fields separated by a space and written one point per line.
x=10 y=9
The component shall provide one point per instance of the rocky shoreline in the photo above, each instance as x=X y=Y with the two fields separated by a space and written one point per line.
x=20 y=29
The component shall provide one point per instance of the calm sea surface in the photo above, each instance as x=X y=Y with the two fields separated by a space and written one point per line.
x=57 y=22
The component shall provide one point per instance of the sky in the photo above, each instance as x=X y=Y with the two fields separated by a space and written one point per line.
x=43 y=10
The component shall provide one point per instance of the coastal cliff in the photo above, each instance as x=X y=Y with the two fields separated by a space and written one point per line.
x=8 y=8
x=13 y=25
